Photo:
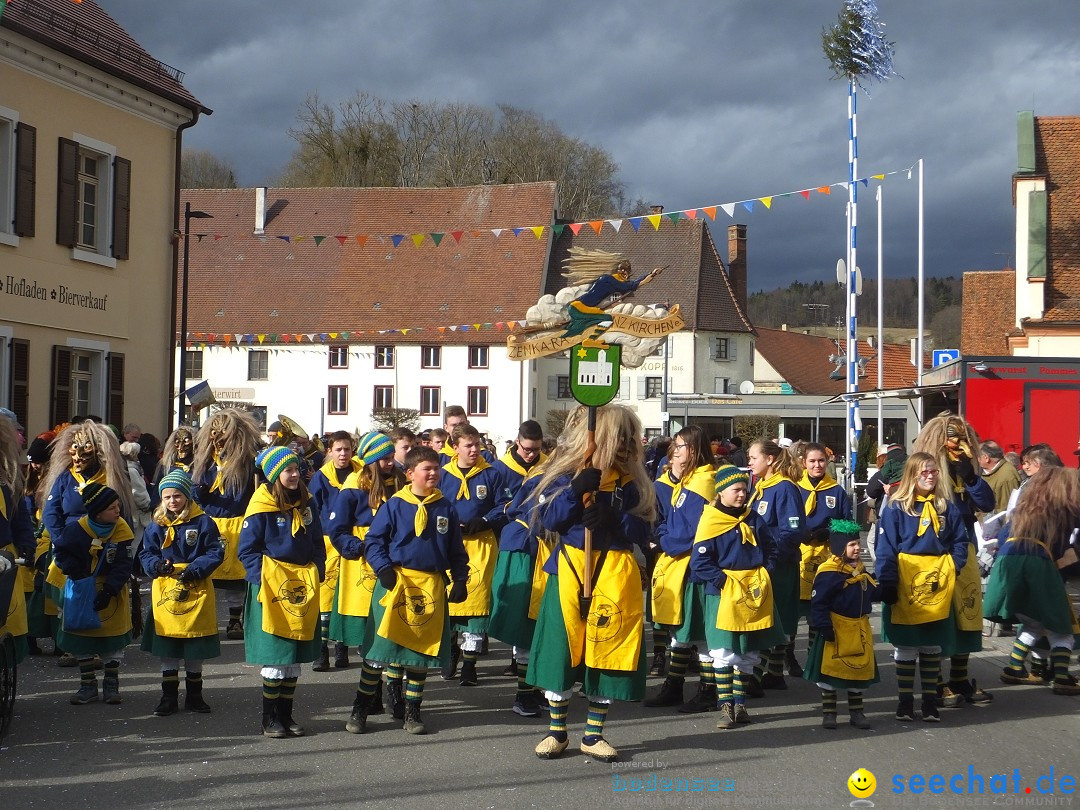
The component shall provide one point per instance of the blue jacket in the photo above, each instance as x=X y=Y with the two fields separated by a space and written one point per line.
x=63 y=505
x=822 y=514
x=782 y=509
x=675 y=533
x=710 y=557
x=270 y=533
x=392 y=539
x=71 y=553
x=197 y=543
x=324 y=492
x=17 y=528
x=222 y=504
x=483 y=489
x=898 y=532
x=977 y=497
x=352 y=509
x=832 y=595
x=520 y=533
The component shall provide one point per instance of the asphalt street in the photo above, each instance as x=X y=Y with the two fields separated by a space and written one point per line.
x=479 y=754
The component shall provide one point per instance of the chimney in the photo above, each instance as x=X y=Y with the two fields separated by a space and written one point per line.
x=736 y=245
x=656 y=209
x=260 y=211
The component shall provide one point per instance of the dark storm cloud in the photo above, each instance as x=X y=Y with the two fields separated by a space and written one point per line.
x=699 y=103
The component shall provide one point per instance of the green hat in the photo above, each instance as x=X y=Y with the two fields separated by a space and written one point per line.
x=96 y=498
x=727 y=475
x=374 y=446
x=842 y=532
x=274 y=460
x=176 y=479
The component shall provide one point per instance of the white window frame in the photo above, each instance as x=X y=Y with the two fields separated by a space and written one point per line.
x=659 y=391
x=560 y=392
x=381 y=389
x=9 y=121
x=384 y=356
x=106 y=158
x=258 y=352
x=97 y=350
x=337 y=409
x=431 y=357
x=479 y=391
x=338 y=356
x=433 y=408
x=481 y=351
x=189 y=371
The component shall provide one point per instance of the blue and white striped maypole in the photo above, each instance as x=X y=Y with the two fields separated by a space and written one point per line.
x=854 y=423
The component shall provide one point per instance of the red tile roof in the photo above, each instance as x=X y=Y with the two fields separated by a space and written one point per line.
x=695 y=277
x=243 y=284
x=803 y=362
x=1057 y=154
x=989 y=312
x=86 y=32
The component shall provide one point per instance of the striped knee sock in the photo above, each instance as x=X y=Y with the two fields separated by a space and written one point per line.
x=854 y=701
x=680 y=660
x=324 y=627
x=369 y=679
x=1059 y=657
x=708 y=673
x=776 y=660
x=193 y=678
x=725 y=684
x=468 y=657
x=414 y=684
x=594 y=722
x=170 y=676
x=86 y=671
x=557 y=711
x=929 y=670
x=271 y=688
x=958 y=667
x=1018 y=655
x=288 y=689
x=523 y=687
x=828 y=701
x=111 y=670
x=394 y=672
x=660 y=639
x=905 y=679
x=739 y=683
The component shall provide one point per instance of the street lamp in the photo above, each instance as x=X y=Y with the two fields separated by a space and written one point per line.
x=188 y=216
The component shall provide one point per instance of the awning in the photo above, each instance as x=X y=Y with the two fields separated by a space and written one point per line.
x=914 y=392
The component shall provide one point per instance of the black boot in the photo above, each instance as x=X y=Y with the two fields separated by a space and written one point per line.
x=413 y=722
x=511 y=669
x=357 y=722
x=450 y=669
x=341 y=656
x=659 y=661
x=170 y=690
x=377 y=707
x=670 y=694
x=395 y=698
x=271 y=725
x=468 y=673
x=193 y=699
x=285 y=708
x=322 y=663
x=704 y=701
x=794 y=668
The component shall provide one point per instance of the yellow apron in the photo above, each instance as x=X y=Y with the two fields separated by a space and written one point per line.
x=229 y=529
x=610 y=637
x=328 y=591
x=354 y=598
x=15 y=615
x=483 y=550
x=746 y=601
x=668 y=581
x=851 y=655
x=183 y=611
x=925 y=588
x=813 y=555
x=540 y=576
x=288 y=594
x=414 y=611
x=967 y=596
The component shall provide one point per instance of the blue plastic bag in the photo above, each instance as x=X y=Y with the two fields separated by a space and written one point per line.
x=78 y=610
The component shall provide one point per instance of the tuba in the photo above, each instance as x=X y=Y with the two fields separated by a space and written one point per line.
x=291 y=431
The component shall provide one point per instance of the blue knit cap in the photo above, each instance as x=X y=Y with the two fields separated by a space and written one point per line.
x=274 y=460
x=177 y=479
x=374 y=446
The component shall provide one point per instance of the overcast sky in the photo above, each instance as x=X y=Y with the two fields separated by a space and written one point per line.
x=700 y=103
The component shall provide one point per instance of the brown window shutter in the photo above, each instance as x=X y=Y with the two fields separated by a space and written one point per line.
x=60 y=409
x=121 y=207
x=25 y=179
x=20 y=379
x=114 y=406
x=67 y=196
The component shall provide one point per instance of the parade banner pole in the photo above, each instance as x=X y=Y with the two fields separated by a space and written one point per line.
x=587 y=571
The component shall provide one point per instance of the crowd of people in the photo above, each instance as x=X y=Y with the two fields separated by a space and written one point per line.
x=414 y=551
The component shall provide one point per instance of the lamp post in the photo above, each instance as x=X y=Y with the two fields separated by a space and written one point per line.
x=188 y=216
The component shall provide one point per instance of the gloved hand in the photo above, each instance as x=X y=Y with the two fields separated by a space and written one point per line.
x=720 y=580
x=161 y=568
x=187 y=576
x=964 y=470
x=42 y=564
x=827 y=633
x=459 y=591
x=598 y=517
x=820 y=535
x=474 y=526
x=588 y=480
x=889 y=595
x=388 y=577
x=101 y=601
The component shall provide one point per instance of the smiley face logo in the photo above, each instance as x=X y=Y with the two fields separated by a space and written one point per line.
x=862 y=784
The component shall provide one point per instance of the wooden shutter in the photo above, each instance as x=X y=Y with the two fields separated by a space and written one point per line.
x=114 y=378
x=67 y=195
x=642 y=387
x=25 y=180
x=20 y=379
x=121 y=207
x=553 y=387
x=60 y=406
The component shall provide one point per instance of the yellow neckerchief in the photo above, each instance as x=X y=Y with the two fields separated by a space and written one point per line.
x=511 y=462
x=263 y=501
x=97 y=478
x=219 y=484
x=699 y=481
x=420 y=519
x=714 y=523
x=929 y=515
x=170 y=524
x=763 y=484
x=857 y=574
x=120 y=533
x=612 y=478
x=465 y=475
x=822 y=485
x=330 y=472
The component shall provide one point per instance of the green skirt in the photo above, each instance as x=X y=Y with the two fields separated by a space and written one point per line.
x=195 y=649
x=1029 y=585
x=738 y=641
x=549 y=663
x=941 y=633
x=384 y=651
x=511 y=591
x=38 y=624
x=477 y=625
x=269 y=650
x=785 y=583
x=21 y=648
x=693 y=611
x=91 y=645
x=351 y=630
x=812 y=670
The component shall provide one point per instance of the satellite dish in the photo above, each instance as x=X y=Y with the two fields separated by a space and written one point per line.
x=746 y=387
x=841 y=271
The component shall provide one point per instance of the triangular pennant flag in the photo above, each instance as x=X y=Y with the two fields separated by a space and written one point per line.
x=457 y=235
x=452 y=328
x=361 y=239
x=227 y=338
x=748 y=205
x=199 y=236
x=318 y=240
x=345 y=335
x=596 y=225
x=475 y=234
x=341 y=240
x=437 y=237
x=497 y=232
x=284 y=238
x=418 y=239
x=285 y=338
x=396 y=238
x=615 y=223
x=211 y=337
x=710 y=211
x=310 y=336
x=824 y=189
x=487 y=326
x=691 y=214
x=261 y=339
x=575 y=227
x=404 y=331
x=218 y=236
x=655 y=220
x=865 y=181
x=674 y=216
x=806 y=193
x=273 y=338
x=636 y=223
x=538 y=231
x=558 y=229
x=766 y=201
x=499 y=325
x=517 y=231
x=440 y=328
x=729 y=209
x=878 y=176
x=476 y=327
x=238 y=338
x=333 y=335
x=323 y=336
x=299 y=238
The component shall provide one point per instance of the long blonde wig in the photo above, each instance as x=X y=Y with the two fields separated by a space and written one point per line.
x=238 y=466
x=933 y=437
x=584 y=265
x=1049 y=509
x=107 y=451
x=168 y=453
x=11 y=457
x=906 y=490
